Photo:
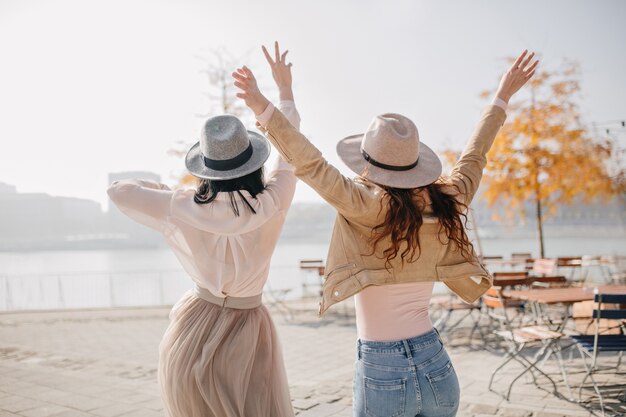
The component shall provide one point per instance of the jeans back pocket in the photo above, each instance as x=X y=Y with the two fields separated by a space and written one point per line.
x=384 y=398
x=445 y=385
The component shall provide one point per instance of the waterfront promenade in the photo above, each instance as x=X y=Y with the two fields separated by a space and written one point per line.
x=104 y=363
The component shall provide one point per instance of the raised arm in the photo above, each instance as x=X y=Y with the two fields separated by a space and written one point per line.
x=281 y=183
x=340 y=191
x=147 y=202
x=468 y=170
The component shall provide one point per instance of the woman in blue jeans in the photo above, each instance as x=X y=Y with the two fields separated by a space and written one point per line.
x=399 y=228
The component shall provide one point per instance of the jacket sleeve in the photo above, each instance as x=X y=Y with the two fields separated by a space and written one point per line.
x=341 y=192
x=281 y=184
x=468 y=170
x=147 y=202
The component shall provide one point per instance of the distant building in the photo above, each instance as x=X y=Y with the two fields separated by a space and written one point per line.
x=38 y=220
x=30 y=221
x=7 y=188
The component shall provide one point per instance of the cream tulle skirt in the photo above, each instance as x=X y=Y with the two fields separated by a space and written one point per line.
x=222 y=362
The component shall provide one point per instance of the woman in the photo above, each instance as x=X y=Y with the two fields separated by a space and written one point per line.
x=220 y=356
x=399 y=222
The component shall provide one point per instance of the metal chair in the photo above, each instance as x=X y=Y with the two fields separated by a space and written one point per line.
x=444 y=307
x=574 y=264
x=548 y=281
x=518 y=339
x=499 y=311
x=277 y=299
x=514 y=277
x=544 y=266
x=590 y=346
x=317 y=266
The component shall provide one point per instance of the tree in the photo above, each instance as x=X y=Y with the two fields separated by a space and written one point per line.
x=218 y=66
x=544 y=153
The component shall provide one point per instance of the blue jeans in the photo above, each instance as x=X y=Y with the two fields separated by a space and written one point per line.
x=412 y=377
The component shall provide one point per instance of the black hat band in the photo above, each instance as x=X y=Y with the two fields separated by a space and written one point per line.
x=229 y=164
x=374 y=162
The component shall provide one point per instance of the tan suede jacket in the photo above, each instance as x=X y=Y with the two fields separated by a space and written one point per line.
x=350 y=264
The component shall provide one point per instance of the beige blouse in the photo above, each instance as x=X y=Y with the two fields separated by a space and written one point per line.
x=224 y=253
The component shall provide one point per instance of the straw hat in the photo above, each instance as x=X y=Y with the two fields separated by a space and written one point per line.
x=226 y=150
x=390 y=153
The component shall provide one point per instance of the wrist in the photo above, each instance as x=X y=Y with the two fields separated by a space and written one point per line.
x=260 y=106
x=504 y=96
x=285 y=93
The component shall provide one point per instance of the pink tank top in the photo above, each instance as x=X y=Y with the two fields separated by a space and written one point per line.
x=393 y=312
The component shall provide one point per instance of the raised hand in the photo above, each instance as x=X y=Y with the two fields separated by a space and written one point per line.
x=250 y=93
x=520 y=72
x=281 y=71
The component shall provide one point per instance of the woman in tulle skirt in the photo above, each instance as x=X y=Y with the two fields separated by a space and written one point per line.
x=220 y=355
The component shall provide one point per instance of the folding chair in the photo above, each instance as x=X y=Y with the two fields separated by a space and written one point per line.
x=518 y=340
x=548 y=281
x=544 y=266
x=276 y=299
x=574 y=264
x=444 y=307
x=590 y=346
x=510 y=278
x=317 y=267
x=497 y=309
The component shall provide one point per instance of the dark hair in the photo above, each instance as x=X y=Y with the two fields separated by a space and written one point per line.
x=404 y=218
x=209 y=189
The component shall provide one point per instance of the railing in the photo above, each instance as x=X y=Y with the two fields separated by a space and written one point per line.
x=91 y=290
x=105 y=289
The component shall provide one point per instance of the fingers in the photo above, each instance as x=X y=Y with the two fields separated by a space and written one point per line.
x=282 y=57
x=530 y=69
x=239 y=77
x=267 y=56
x=519 y=59
x=277 y=51
x=241 y=85
x=248 y=73
x=243 y=78
x=526 y=61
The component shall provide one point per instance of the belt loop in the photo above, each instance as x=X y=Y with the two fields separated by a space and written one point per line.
x=407 y=350
x=224 y=302
x=438 y=335
x=358 y=349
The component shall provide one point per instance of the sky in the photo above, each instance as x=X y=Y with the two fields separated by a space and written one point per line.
x=91 y=87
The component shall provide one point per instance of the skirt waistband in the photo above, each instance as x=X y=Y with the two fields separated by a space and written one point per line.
x=239 y=303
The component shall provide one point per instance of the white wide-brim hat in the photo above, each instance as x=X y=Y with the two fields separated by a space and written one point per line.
x=390 y=153
x=226 y=150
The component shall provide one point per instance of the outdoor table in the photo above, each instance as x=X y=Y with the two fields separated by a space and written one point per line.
x=562 y=296
x=540 y=299
x=567 y=295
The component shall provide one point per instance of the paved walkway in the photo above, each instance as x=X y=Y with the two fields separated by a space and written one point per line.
x=103 y=363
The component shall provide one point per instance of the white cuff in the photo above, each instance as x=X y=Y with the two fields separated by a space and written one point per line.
x=264 y=118
x=497 y=101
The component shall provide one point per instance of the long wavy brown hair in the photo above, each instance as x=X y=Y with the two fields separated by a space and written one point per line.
x=404 y=219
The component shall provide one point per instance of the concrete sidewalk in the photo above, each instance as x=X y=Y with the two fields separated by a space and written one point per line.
x=104 y=363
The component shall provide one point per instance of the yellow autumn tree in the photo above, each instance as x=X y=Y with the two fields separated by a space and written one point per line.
x=545 y=155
